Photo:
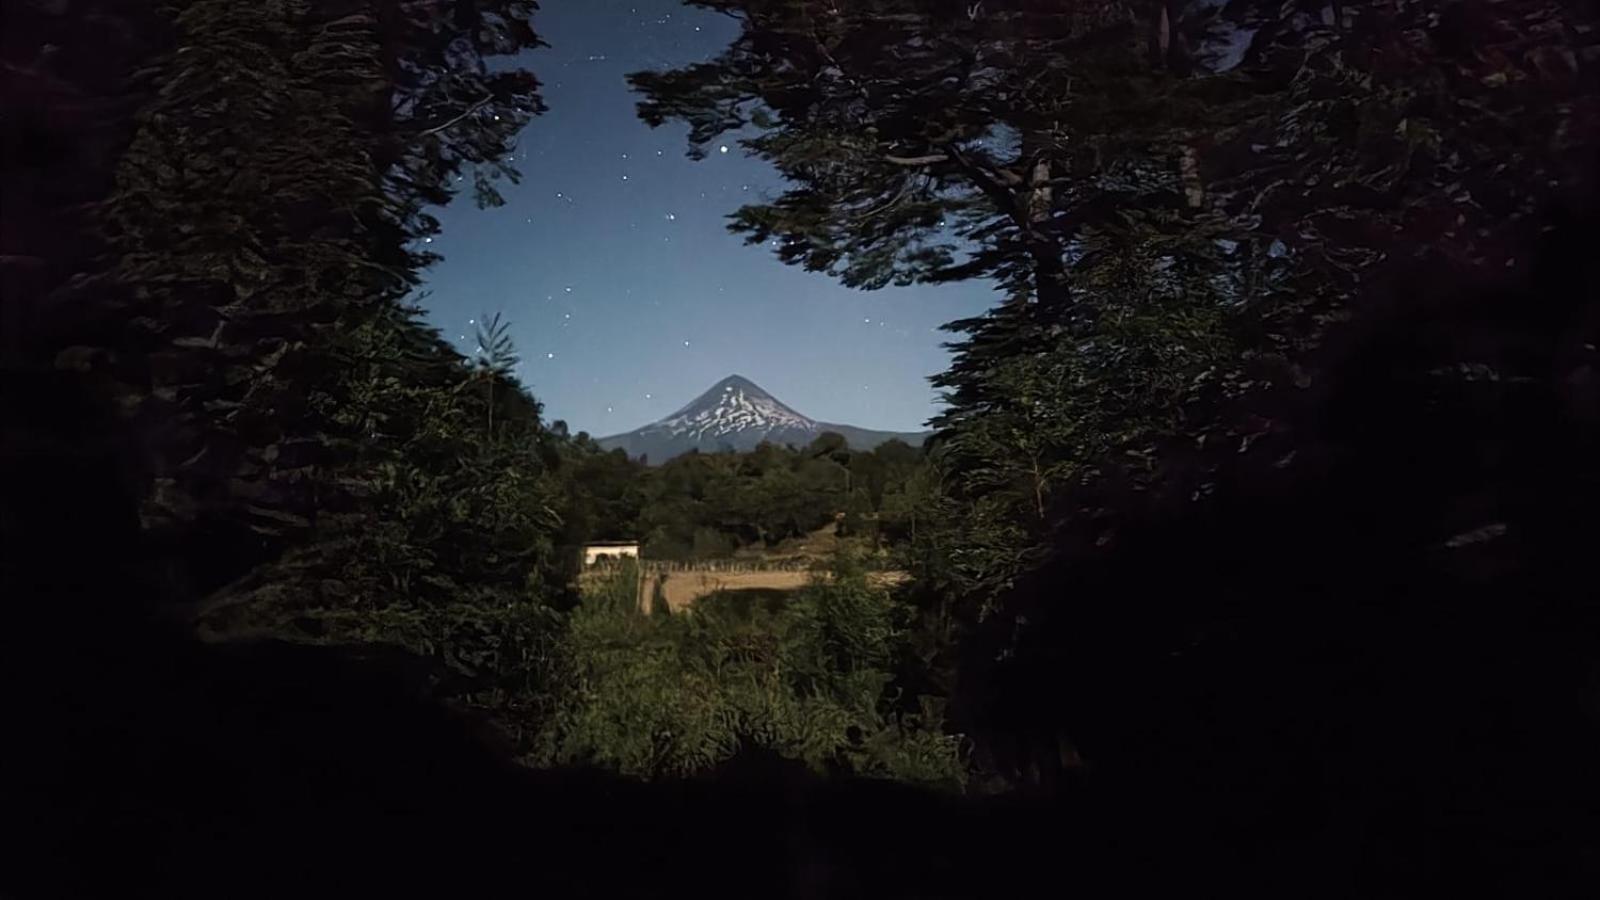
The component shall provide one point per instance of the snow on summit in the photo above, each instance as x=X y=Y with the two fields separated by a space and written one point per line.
x=732 y=405
x=736 y=414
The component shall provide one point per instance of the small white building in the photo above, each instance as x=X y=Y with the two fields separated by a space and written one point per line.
x=609 y=551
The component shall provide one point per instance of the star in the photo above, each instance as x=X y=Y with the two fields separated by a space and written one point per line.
x=565 y=157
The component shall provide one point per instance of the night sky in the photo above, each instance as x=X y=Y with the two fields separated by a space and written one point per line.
x=627 y=296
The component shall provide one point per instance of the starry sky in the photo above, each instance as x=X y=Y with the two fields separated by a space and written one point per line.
x=626 y=295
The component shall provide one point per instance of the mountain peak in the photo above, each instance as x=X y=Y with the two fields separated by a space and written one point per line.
x=734 y=404
x=739 y=383
x=734 y=414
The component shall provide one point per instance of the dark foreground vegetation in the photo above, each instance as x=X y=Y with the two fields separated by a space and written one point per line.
x=1254 y=554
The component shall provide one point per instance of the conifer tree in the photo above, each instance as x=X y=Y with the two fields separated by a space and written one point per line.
x=495 y=359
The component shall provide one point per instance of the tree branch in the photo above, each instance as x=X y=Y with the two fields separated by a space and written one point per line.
x=987 y=183
x=928 y=160
x=469 y=111
x=898 y=196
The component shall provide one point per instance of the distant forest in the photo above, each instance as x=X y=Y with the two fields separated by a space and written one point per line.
x=711 y=505
x=1258 y=526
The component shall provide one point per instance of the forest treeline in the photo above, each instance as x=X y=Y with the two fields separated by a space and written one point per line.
x=712 y=505
x=1262 y=499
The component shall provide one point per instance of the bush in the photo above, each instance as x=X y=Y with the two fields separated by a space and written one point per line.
x=675 y=695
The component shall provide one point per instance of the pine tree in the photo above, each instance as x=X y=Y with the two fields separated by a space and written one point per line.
x=496 y=358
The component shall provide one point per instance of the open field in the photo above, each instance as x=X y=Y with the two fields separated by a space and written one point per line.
x=682 y=588
x=786 y=567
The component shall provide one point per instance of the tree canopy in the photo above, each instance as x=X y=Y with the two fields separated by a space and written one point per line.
x=1265 y=485
x=1192 y=212
x=1177 y=199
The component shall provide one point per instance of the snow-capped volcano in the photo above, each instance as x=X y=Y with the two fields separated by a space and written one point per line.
x=733 y=405
x=736 y=414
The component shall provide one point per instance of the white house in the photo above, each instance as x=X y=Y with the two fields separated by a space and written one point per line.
x=609 y=551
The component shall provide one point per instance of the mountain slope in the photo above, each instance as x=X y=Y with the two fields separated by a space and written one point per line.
x=736 y=414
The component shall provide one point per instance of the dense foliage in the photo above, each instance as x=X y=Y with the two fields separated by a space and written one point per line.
x=315 y=463
x=318 y=465
x=1271 y=409
x=713 y=505
x=808 y=675
x=1187 y=206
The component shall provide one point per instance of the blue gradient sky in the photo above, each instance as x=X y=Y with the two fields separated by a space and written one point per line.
x=626 y=295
